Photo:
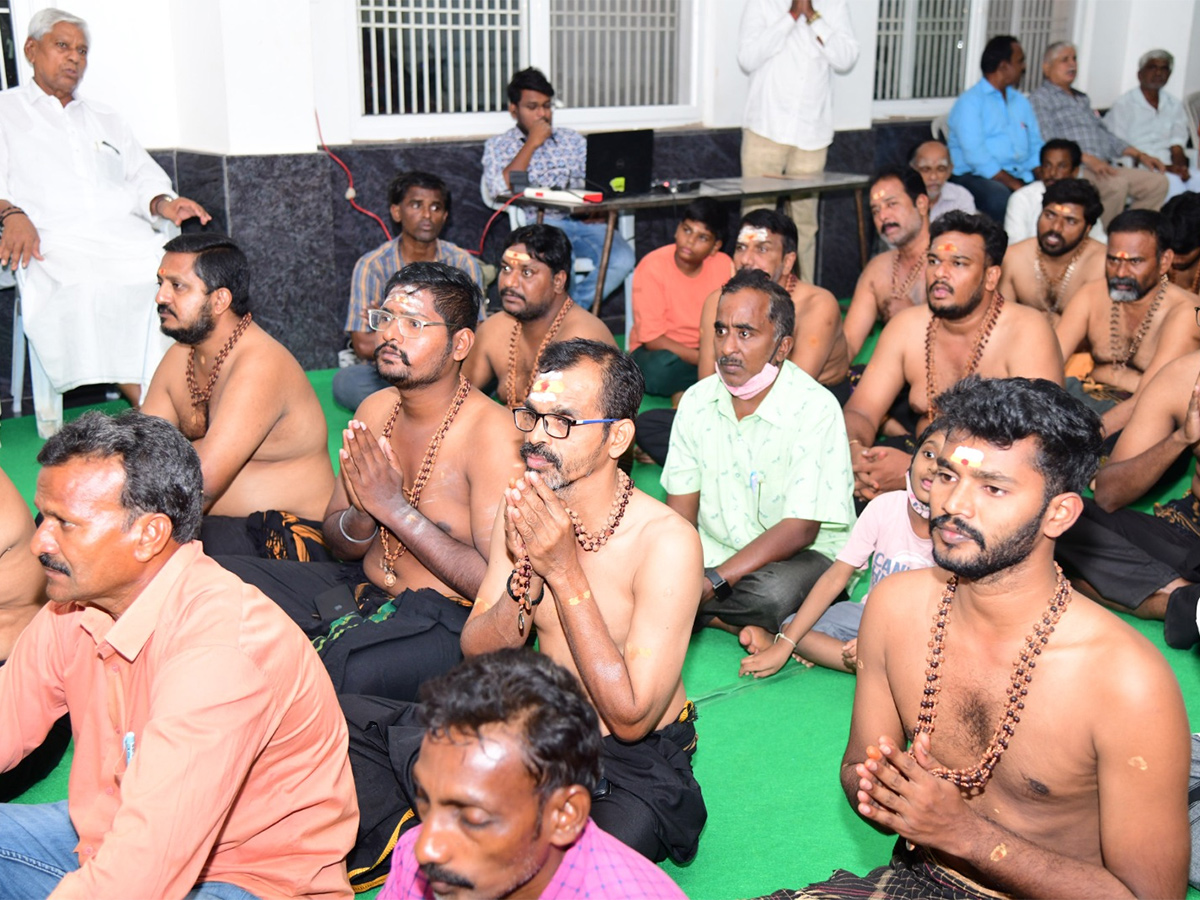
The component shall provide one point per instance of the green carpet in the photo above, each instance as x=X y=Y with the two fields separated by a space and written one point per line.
x=768 y=751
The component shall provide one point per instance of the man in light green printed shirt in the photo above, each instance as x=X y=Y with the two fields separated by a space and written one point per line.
x=760 y=463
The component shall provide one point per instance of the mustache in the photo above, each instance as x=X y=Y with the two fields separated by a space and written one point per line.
x=729 y=360
x=434 y=872
x=543 y=450
x=509 y=292
x=1123 y=284
x=960 y=526
x=392 y=345
x=945 y=285
x=49 y=562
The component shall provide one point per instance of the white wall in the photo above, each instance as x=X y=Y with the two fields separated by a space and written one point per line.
x=1113 y=34
x=244 y=76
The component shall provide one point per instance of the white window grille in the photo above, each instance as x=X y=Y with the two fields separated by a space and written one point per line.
x=931 y=48
x=615 y=52
x=8 y=49
x=456 y=56
x=434 y=56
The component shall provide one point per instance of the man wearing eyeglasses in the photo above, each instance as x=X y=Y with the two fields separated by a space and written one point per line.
x=423 y=466
x=759 y=462
x=245 y=404
x=609 y=578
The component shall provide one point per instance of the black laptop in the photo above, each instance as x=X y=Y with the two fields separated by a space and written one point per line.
x=620 y=162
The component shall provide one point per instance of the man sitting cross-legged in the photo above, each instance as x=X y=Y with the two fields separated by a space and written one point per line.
x=512 y=737
x=758 y=463
x=1048 y=741
x=892 y=534
x=1148 y=565
x=1046 y=271
x=966 y=328
x=669 y=287
x=245 y=404
x=893 y=280
x=767 y=241
x=1134 y=322
x=534 y=278
x=609 y=579
x=210 y=754
x=423 y=465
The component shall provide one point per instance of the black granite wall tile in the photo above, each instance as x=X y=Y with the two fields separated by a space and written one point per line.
x=279 y=213
x=202 y=177
x=166 y=159
x=838 y=255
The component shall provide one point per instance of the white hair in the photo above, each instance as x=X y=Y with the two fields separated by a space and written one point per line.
x=44 y=20
x=1054 y=50
x=1156 y=54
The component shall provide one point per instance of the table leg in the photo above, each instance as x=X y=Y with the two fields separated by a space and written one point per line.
x=862 y=226
x=541 y=214
x=608 y=240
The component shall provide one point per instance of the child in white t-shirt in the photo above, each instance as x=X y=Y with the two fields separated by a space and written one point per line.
x=893 y=533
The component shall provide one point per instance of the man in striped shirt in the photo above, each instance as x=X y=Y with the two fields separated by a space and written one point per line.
x=420 y=204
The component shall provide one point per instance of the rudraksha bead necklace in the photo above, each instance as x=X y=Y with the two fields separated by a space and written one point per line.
x=514 y=397
x=981 y=339
x=974 y=780
x=200 y=398
x=1119 y=360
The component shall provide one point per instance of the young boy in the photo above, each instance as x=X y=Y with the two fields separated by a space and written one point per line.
x=894 y=529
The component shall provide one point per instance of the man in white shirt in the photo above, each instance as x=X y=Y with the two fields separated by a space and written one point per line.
x=1060 y=159
x=788 y=50
x=1158 y=121
x=79 y=199
x=932 y=162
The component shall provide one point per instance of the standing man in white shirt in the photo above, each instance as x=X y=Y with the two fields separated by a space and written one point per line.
x=79 y=201
x=789 y=49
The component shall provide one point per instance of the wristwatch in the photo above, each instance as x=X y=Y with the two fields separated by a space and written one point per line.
x=721 y=588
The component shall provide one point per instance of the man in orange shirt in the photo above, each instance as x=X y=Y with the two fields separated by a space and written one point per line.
x=208 y=738
x=669 y=287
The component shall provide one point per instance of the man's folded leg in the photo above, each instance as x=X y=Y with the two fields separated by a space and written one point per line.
x=37 y=848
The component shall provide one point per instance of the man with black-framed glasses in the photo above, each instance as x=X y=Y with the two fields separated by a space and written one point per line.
x=609 y=579
x=759 y=463
x=423 y=466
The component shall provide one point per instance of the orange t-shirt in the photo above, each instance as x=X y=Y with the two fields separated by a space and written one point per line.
x=667 y=303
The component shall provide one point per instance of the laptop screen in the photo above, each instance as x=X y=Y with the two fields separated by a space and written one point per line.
x=620 y=162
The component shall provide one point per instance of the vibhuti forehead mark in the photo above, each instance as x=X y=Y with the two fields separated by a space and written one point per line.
x=749 y=234
x=547 y=386
x=1061 y=209
x=947 y=247
x=967 y=456
x=516 y=256
x=404 y=296
x=879 y=194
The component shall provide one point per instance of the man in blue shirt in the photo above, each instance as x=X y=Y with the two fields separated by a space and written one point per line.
x=994 y=135
x=553 y=158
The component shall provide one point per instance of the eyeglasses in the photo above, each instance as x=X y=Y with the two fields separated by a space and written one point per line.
x=1197 y=309
x=380 y=319
x=554 y=426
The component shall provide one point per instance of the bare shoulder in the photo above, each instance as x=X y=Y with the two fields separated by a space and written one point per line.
x=492 y=328
x=579 y=323
x=808 y=298
x=665 y=539
x=486 y=414
x=1173 y=383
x=879 y=268
x=1180 y=303
x=1021 y=320
x=377 y=408
x=1091 y=294
x=261 y=354
x=906 y=599
x=1020 y=251
x=908 y=322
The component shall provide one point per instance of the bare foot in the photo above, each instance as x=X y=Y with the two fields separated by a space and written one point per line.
x=754 y=638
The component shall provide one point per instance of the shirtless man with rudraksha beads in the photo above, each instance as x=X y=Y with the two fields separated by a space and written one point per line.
x=1042 y=749
x=423 y=467
x=609 y=580
x=535 y=274
x=1133 y=322
x=966 y=328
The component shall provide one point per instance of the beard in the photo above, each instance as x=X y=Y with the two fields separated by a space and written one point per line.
x=1003 y=554
x=530 y=311
x=407 y=379
x=193 y=334
x=954 y=313
x=1062 y=249
x=1127 y=290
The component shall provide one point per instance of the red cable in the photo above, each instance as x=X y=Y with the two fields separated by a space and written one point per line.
x=350 y=193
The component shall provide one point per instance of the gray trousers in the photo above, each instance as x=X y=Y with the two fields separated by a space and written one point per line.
x=768 y=596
